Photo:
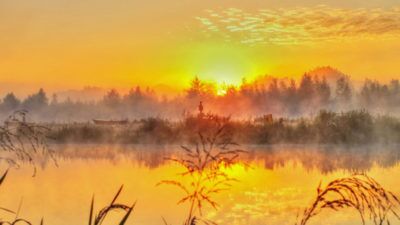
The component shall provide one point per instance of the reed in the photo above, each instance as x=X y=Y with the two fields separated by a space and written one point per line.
x=16 y=220
x=357 y=127
x=203 y=164
x=93 y=220
x=113 y=206
x=23 y=141
x=359 y=192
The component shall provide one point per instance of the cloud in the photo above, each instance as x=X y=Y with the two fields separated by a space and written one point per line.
x=300 y=25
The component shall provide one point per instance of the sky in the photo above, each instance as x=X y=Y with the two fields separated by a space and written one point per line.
x=69 y=44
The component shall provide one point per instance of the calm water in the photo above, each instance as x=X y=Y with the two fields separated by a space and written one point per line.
x=280 y=182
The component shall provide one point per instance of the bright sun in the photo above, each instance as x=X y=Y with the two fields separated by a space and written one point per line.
x=221 y=89
x=222 y=65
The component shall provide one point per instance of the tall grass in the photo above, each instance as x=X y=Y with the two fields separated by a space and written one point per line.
x=352 y=127
x=113 y=206
x=359 y=192
x=24 y=142
x=211 y=150
x=93 y=219
x=203 y=164
x=17 y=220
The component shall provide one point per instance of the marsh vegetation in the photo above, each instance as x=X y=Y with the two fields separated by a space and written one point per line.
x=208 y=156
x=352 y=127
x=359 y=192
x=212 y=152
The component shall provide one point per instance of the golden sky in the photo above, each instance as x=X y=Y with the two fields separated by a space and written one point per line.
x=60 y=44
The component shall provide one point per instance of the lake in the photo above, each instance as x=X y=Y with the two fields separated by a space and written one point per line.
x=277 y=183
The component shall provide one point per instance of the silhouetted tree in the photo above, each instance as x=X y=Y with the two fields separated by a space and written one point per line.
x=394 y=89
x=36 y=101
x=291 y=98
x=134 y=96
x=343 y=91
x=112 y=98
x=199 y=88
x=196 y=88
x=54 y=99
x=274 y=89
x=306 y=92
x=10 y=102
x=323 y=92
x=373 y=95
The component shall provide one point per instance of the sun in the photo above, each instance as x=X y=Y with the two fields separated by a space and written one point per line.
x=221 y=90
x=221 y=64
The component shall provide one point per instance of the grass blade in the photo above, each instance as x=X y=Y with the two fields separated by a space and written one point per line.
x=3 y=177
x=91 y=211
x=7 y=210
x=116 y=195
x=123 y=221
x=165 y=222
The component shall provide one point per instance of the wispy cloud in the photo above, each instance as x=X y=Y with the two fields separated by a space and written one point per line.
x=300 y=25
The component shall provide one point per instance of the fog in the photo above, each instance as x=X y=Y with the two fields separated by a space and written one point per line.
x=321 y=89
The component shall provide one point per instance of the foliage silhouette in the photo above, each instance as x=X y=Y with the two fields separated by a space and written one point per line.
x=204 y=165
x=359 y=192
x=113 y=206
x=25 y=142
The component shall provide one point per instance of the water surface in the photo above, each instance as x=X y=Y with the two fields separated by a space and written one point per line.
x=278 y=184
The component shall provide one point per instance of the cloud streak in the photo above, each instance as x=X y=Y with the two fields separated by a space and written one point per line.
x=300 y=25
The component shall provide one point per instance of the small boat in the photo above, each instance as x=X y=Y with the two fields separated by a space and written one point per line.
x=110 y=122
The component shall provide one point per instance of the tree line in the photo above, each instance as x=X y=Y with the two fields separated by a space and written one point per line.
x=266 y=95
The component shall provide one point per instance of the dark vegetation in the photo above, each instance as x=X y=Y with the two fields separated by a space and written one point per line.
x=359 y=192
x=24 y=142
x=352 y=127
x=213 y=150
x=93 y=219
x=17 y=220
x=113 y=206
x=332 y=91
x=203 y=163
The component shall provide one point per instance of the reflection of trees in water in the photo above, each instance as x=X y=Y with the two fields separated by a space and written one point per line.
x=151 y=156
x=327 y=158
x=323 y=158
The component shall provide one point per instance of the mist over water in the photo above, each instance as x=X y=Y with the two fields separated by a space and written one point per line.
x=214 y=112
x=324 y=158
x=279 y=181
x=296 y=135
x=274 y=181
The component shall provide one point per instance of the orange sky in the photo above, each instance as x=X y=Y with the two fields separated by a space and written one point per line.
x=63 y=44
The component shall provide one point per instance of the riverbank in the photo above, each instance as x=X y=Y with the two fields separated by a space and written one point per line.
x=349 y=128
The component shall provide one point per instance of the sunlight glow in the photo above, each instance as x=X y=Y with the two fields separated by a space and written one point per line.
x=221 y=91
x=222 y=65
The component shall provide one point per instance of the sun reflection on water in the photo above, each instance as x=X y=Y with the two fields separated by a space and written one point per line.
x=262 y=195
